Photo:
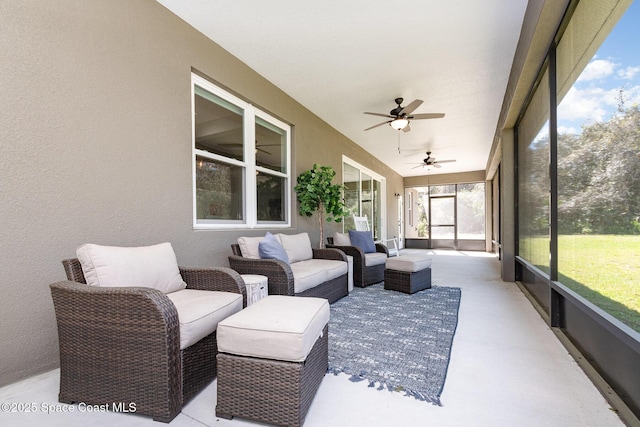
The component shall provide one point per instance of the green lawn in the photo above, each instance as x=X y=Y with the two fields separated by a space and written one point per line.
x=605 y=269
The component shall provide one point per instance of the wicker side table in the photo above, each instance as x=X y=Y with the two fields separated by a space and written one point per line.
x=257 y=287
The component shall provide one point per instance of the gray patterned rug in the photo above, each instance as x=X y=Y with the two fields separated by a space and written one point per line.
x=395 y=341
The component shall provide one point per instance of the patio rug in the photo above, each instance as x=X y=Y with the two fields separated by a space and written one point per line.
x=395 y=341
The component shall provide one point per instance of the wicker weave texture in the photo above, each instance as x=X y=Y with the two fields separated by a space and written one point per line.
x=270 y=391
x=122 y=345
x=407 y=282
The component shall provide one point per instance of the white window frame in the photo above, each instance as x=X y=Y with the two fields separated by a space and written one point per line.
x=250 y=197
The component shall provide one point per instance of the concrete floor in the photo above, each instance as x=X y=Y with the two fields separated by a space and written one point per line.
x=506 y=369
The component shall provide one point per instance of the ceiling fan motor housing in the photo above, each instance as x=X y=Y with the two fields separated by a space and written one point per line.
x=396 y=111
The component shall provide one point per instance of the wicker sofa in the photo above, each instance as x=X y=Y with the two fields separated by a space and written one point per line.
x=310 y=272
x=124 y=344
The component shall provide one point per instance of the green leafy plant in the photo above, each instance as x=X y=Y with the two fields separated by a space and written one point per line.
x=316 y=193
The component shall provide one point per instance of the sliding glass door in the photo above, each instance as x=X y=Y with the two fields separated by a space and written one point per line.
x=446 y=216
x=363 y=196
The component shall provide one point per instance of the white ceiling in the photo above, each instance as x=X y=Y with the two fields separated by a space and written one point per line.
x=341 y=58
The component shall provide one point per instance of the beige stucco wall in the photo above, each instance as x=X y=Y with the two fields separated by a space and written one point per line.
x=96 y=147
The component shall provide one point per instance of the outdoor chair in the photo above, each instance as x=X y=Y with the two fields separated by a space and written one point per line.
x=368 y=257
x=362 y=224
x=129 y=345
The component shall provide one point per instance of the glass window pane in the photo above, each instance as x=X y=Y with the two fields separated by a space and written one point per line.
x=442 y=190
x=219 y=191
x=367 y=197
x=471 y=211
x=271 y=198
x=442 y=211
x=351 y=180
x=377 y=210
x=443 y=232
x=599 y=172
x=271 y=146
x=422 y=211
x=533 y=179
x=218 y=125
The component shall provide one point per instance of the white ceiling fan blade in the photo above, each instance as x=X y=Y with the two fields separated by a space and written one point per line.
x=426 y=116
x=446 y=161
x=379 y=114
x=411 y=152
x=411 y=107
x=407 y=128
x=379 y=124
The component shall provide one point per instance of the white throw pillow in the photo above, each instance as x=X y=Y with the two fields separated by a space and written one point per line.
x=148 y=266
x=297 y=246
x=249 y=246
x=341 y=239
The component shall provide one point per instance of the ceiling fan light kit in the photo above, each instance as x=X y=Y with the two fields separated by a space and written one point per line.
x=399 y=124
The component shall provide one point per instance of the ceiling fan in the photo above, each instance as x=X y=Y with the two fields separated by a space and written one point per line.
x=431 y=161
x=258 y=146
x=400 y=116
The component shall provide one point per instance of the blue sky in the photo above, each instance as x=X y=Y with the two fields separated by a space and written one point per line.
x=616 y=65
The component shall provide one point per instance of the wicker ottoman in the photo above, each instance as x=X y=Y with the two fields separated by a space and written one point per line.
x=407 y=273
x=272 y=358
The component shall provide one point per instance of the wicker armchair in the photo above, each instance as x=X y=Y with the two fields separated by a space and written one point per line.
x=121 y=345
x=281 y=281
x=363 y=275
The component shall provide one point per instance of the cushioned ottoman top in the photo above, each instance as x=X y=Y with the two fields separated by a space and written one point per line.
x=409 y=263
x=276 y=327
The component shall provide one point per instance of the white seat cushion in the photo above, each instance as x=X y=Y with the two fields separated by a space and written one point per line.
x=374 y=258
x=276 y=327
x=307 y=274
x=147 y=266
x=408 y=263
x=199 y=312
x=333 y=268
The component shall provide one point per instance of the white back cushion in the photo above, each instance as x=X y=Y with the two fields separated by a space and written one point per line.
x=341 y=239
x=249 y=246
x=148 y=266
x=297 y=246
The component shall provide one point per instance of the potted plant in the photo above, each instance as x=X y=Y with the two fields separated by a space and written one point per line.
x=316 y=193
